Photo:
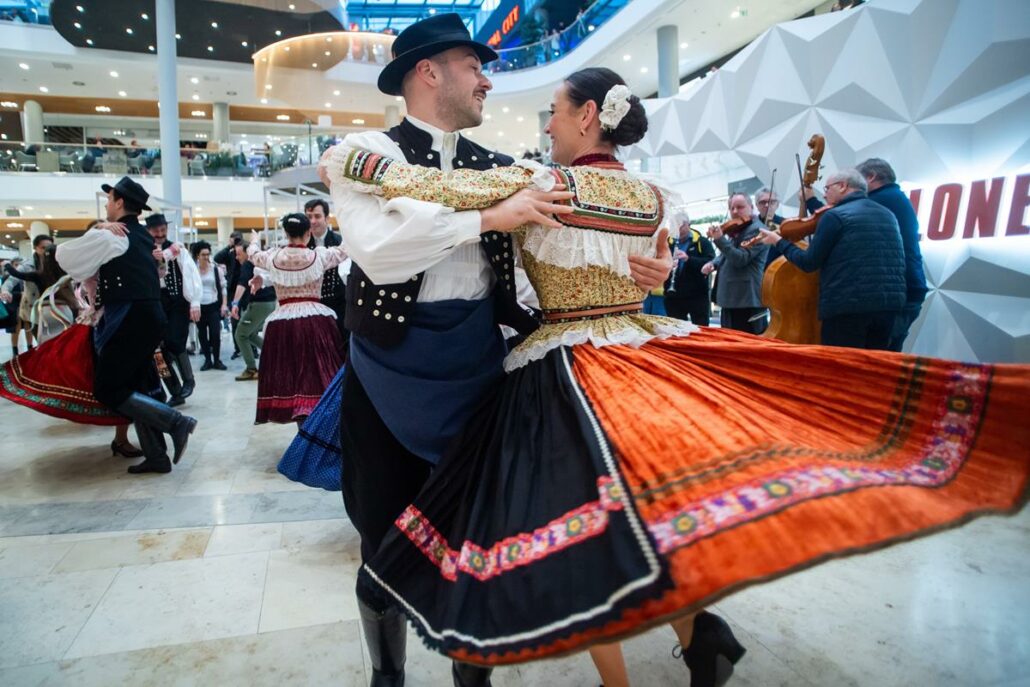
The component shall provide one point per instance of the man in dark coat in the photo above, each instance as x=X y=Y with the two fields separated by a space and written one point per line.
x=687 y=292
x=334 y=294
x=739 y=287
x=858 y=251
x=120 y=254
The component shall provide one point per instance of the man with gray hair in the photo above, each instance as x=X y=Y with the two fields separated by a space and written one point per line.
x=767 y=202
x=883 y=189
x=858 y=251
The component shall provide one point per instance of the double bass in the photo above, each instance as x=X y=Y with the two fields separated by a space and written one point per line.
x=791 y=294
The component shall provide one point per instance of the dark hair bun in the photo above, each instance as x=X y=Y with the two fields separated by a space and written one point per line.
x=295 y=224
x=594 y=83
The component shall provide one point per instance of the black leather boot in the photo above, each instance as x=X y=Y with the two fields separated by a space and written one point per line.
x=174 y=387
x=146 y=411
x=468 y=675
x=386 y=635
x=153 y=444
x=186 y=372
x=713 y=651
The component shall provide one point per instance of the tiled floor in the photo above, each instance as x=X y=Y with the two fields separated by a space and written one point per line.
x=225 y=573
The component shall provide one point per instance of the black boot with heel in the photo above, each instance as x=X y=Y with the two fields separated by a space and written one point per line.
x=712 y=653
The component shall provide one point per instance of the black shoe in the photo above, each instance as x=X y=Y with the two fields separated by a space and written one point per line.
x=186 y=371
x=386 y=636
x=219 y=365
x=712 y=653
x=235 y=355
x=146 y=411
x=468 y=675
x=206 y=366
x=125 y=450
x=151 y=465
x=176 y=401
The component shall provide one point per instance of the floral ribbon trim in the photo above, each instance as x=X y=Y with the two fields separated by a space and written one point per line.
x=366 y=167
x=575 y=526
x=944 y=454
x=617 y=217
x=70 y=401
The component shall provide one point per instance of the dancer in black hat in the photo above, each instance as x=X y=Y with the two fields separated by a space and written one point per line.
x=120 y=253
x=180 y=301
x=426 y=292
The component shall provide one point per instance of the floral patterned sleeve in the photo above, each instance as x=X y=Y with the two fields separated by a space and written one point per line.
x=462 y=189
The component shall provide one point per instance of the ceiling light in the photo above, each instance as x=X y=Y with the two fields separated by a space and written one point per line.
x=199 y=135
x=102 y=108
x=80 y=8
x=264 y=101
x=627 y=58
x=520 y=119
x=128 y=30
x=268 y=86
x=591 y=27
x=283 y=118
x=328 y=105
x=432 y=11
x=357 y=121
x=214 y=25
x=336 y=92
x=77 y=25
x=15 y=225
x=196 y=96
x=114 y=75
x=150 y=48
x=287 y=48
x=23 y=65
x=643 y=70
x=123 y=93
x=8 y=103
x=278 y=32
x=505 y=110
x=292 y=6
x=488 y=116
x=145 y=16
x=314 y=65
x=44 y=89
x=29 y=207
x=243 y=135
x=327 y=53
x=89 y=41
x=194 y=79
x=399 y=98
x=198 y=113
x=48 y=216
x=500 y=133
x=178 y=36
x=329 y=39
x=684 y=46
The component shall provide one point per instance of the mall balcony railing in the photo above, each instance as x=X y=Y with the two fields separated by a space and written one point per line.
x=237 y=161
x=25 y=11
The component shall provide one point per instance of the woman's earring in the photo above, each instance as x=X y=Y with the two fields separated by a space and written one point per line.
x=582 y=132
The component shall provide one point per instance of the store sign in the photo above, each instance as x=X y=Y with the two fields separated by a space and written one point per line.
x=501 y=23
x=984 y=208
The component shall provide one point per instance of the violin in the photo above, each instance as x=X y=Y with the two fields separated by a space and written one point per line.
x=732 y=226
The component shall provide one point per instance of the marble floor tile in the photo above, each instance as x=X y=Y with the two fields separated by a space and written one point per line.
x=193 y=511
x=140 y=548
x=174 y=603
x=336 y=534
x=319 y=655
x=231 y=539
x=250 y=480
x=205 y=480
x=311 y=504
x=308 y=587
x=41 y=616
x=33 y=560
x=58 y=518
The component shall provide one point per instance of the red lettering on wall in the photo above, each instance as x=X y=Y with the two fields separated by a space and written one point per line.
x=946 y=200
x=1020 y=201
x=914 y=197
x=983 y=207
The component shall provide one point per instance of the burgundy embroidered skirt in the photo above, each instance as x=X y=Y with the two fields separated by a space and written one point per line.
x=57 y=379
x=299 y=359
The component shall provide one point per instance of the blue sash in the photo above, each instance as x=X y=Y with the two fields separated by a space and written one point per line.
x=426 y=388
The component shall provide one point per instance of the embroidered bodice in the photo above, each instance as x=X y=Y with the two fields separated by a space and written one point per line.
x=296 y=273
x=580 y=271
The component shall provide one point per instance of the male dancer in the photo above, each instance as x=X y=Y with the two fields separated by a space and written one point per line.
x=180 y=301
x=333 y=289
x=425 y=295
x=121 y=256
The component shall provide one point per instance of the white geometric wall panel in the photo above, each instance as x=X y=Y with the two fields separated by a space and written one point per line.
x=940 y=88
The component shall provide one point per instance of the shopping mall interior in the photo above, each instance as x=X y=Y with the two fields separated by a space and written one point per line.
x=226 y=570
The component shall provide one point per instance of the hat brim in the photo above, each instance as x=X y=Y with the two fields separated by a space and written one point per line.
x=392 y=76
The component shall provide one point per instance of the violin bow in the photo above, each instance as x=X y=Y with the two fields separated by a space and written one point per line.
x=772 y=192
x=801 y=177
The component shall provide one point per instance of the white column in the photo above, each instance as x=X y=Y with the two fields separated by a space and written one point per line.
x=38 y=228
x=220 y=119
x=668 y=61
x=168 y=101
x=393 y=116
x=32 y=122
x=225 y=227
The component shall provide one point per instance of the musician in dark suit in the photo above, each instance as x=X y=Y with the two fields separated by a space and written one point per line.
x=120 y=254
x=739 y=288
x=687 y=292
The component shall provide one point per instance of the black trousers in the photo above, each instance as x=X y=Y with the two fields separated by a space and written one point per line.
x=698 y=309
x=209 y=330
x=177 y=329
x=126 y=363
x=744 y=320
x=902 y=324
x=869 y=330
x=380 y=477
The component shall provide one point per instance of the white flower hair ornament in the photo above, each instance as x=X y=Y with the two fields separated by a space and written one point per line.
x=616 y=105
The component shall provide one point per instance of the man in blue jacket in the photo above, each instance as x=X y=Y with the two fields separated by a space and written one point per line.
x=858 y=251
x=883 y=188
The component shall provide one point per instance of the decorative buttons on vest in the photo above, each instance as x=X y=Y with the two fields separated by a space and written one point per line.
x=494 y=164
x=491 y=156
x=429 y=156
x=415 y=278
x=474 y=158
x=362 y=284
x=460 y=164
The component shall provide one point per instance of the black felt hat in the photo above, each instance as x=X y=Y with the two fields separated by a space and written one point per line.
x=156 y=220
x=424 y=39
x=127 y=188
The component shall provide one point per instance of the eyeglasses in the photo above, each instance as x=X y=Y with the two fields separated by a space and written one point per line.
x=833 y=183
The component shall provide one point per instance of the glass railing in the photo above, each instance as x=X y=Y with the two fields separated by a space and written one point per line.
x=553 y=45
x=240 y=161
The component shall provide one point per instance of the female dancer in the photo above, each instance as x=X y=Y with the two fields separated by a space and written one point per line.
x=303 y=348
x=568 y=515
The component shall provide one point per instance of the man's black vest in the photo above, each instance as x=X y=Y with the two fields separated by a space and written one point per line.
x=173 y=276
x=379 y=312
x=332 y=285
x=132 y=276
